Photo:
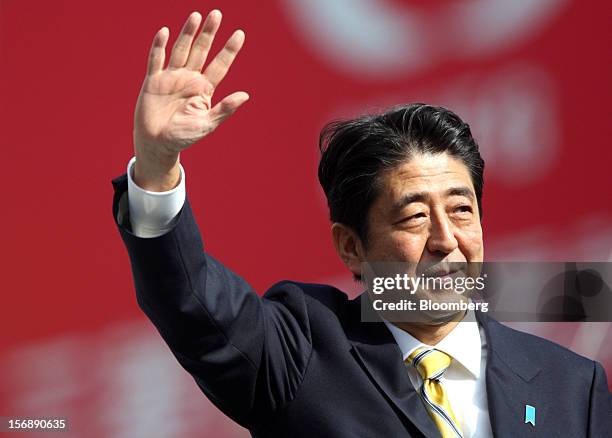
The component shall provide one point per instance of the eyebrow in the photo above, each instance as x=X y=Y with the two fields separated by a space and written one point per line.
x=460 y=191
x=409 y=198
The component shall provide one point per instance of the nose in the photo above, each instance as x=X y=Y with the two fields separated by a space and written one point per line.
x=441 y=235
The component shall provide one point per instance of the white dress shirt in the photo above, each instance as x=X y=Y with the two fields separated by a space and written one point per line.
x=153 y=214
x=464 y=380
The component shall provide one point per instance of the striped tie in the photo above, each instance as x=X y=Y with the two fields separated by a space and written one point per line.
x=431 y=364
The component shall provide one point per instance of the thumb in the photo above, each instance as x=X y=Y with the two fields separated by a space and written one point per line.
x=227 y=106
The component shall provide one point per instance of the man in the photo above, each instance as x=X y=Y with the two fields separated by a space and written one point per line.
x=405 y=185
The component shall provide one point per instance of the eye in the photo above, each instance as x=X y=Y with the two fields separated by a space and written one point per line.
x=414 y=219
x=463 y=209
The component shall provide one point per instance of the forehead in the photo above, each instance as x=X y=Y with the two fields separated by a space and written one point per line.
x=425 y=173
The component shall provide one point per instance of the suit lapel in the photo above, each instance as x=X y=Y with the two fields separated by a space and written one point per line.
x=510 y=383
x=377 y=352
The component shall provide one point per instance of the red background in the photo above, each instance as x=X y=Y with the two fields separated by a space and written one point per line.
x=74 y=343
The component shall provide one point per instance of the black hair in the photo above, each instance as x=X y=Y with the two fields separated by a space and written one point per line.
x=356 y=152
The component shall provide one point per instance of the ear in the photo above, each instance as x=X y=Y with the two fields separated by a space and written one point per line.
x=349 y=247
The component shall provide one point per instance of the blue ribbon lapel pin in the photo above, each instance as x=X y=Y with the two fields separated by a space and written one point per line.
x=530 y=415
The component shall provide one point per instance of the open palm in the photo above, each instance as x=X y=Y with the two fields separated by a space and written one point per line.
x=174 y=106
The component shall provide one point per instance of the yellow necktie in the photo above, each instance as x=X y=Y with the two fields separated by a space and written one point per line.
x=431 y=364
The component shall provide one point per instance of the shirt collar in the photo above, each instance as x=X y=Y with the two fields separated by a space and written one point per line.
x=463 y=343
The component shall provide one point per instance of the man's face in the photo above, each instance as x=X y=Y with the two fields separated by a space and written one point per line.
x=426 y=212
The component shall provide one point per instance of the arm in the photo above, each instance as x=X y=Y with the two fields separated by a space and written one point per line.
x=246 y=353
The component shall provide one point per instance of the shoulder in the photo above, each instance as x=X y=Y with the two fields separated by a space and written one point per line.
x=314 y=295
x=527 y=350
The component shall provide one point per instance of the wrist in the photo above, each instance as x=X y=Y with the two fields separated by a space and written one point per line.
x=156 y=171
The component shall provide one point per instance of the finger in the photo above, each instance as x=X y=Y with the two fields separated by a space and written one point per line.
x=182 y=46
x=157 y=54
x=227 y=106
x=217 y=69
x=199 y=51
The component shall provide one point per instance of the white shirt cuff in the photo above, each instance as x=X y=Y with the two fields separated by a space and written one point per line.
x=153 y=214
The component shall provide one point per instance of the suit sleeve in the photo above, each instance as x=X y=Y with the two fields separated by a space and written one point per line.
x=600 y=412
x=248 y=354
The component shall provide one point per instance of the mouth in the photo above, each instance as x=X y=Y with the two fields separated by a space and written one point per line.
x=441 y=274
x=443 y=270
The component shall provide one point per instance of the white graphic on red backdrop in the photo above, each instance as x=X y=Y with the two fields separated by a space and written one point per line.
x=386 y=38
x=121 y=381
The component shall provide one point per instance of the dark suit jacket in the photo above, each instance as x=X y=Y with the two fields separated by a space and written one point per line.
x=298 y=362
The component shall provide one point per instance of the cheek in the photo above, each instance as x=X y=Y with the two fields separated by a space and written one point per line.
x=400 y=246
x=470 y=243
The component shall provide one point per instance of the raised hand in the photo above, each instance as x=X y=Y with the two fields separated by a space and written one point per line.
x=174 y=108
